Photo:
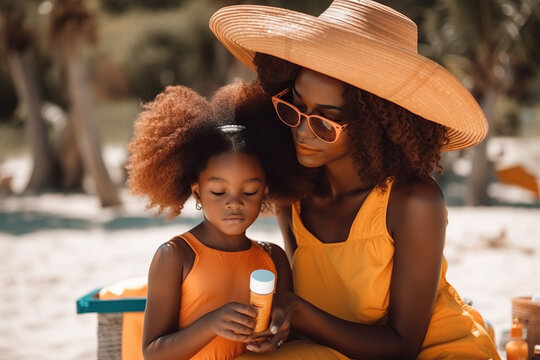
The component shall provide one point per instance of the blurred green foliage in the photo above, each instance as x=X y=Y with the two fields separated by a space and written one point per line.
x=163 y=47
x=145 y=45
x=118 y=6
x=115 y=120
x=179 y=49
x=490 y=45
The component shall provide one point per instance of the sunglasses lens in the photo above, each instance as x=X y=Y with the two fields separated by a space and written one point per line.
x=323 y=128
x=287 y=114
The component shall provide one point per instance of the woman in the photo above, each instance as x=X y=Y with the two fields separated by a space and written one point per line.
x=371 y=117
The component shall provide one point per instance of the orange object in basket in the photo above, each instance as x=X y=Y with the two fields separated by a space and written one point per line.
x=528 y=313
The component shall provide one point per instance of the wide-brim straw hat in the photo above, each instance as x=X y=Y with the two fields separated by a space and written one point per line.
x=363 y=43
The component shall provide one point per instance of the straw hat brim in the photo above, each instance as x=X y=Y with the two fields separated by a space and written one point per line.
x=388 y=71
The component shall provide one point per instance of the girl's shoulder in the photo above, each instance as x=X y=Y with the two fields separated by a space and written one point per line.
x=175 y=255
x=175 y=247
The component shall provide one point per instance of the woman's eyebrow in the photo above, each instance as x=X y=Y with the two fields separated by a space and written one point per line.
x=321 y=106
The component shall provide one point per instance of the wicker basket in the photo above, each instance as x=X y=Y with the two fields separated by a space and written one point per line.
x=528 y=314
x=109 y=334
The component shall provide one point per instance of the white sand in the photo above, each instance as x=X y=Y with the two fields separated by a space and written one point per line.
x=67 y=246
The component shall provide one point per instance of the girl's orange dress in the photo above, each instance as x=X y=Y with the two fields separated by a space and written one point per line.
x=353 y=283
x=216 y=278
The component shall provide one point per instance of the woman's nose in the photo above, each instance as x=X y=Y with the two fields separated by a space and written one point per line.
x=303 y=130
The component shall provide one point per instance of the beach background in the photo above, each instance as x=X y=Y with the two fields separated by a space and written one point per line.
x=54 y=248
x=57 y=240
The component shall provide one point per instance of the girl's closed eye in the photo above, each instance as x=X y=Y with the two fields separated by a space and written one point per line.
x=217 y=193
x=247 y=193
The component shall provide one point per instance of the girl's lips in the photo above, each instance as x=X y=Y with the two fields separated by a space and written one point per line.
x=234 y=220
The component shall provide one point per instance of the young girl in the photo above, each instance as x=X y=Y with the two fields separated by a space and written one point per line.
x=198 y=282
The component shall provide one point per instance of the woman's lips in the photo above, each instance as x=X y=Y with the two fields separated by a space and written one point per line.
x=305 y=150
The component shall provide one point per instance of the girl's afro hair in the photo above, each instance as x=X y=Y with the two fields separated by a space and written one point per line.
x=177 y=133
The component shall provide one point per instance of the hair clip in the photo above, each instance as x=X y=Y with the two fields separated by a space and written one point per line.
x=231 y=128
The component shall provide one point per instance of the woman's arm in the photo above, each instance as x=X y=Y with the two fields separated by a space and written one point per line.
x=283 y=268
x=417 y=223
x=284 y=216
x=161 y=337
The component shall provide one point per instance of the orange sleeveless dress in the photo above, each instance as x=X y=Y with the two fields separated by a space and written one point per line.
x=216 y=278
x=353 y=283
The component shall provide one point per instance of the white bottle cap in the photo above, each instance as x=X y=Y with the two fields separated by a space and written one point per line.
x=262 y=281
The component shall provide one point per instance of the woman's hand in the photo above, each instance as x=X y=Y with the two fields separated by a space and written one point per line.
x=280 y=324
x=233 y=321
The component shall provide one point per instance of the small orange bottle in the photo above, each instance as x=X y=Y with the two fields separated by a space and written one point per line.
x=516 y=348
x=261 y=284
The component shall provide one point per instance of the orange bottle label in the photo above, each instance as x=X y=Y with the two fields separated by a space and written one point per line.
x=263 y=304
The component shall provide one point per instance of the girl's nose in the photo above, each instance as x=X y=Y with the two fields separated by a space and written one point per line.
x=234 y=203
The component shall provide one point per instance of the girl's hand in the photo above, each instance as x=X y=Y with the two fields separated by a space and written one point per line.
x=233 y=321
x=280 y=325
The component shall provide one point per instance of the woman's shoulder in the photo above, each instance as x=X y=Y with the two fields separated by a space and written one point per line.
x=417 y=191
x=417 y=200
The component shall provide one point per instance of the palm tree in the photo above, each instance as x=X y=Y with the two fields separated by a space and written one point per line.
x=487 y=44
x=17 y=44
x=71 y=27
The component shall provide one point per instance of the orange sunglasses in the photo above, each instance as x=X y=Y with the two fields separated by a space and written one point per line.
x=325 y=129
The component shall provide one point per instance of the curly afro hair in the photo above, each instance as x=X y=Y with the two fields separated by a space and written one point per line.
x=386 y=140
x=178 y=132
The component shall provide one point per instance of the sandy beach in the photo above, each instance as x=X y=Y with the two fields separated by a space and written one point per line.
x=55 y=247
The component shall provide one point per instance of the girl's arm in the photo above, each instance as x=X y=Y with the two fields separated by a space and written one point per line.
x=161 y=337
x=417 y=222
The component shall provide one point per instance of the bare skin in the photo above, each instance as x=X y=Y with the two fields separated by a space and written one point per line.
x=416 y=220
x=231 y=191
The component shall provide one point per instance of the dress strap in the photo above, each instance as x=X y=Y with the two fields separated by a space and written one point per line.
x=193 y=242
x=371 y=219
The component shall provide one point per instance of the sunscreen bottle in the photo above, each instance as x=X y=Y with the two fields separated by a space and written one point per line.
x=261 y=284
x=516 y=348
